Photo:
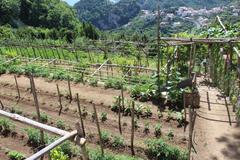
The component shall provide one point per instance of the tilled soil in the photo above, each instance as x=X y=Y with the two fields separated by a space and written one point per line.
x=103 y=98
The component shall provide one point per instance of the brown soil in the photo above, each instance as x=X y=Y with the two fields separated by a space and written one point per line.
x=215 y=138
x=103 y=98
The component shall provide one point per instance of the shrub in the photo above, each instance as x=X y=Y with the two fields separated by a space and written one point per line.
x=61 y=124
x=103 y=116
x=118 y=141
x=158 y=130
x=14 y=155
x=158 y=149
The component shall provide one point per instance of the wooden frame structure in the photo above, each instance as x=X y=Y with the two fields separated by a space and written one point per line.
x=74 y=135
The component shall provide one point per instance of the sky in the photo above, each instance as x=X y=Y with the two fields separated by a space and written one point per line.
x=71 y=2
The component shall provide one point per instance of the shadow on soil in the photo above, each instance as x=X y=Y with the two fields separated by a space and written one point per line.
x=232 y=145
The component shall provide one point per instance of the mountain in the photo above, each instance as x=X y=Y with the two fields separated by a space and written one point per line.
x=140 y=15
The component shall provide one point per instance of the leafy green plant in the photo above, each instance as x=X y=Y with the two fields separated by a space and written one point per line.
x=158 y=149
x=16 y=110
x=170 y=115
x=34 y=137
x=84 y=112
x=44 y=117
x=93 y=82
x=146 y=128
x=103 y=116
x=159 y=113
x=105 y=136
x=67 y=148
x=180 y=118
x=158 y=130
x=60 y=124
x=6 y=127
x=57 y=154
x=117 y=141
x=170 y=135
x=14 y=155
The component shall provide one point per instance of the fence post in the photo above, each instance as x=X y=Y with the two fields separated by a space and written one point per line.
x=190 y=132
x=37 y=108
x=59 y=100
x=99 y=131
x=80 y=115
x=133 y=128
x=17 y=87
x=82 y=144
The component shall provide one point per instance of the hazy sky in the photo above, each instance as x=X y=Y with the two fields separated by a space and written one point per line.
x=71 y=2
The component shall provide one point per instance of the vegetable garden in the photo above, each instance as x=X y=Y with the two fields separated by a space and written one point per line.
x=126 y=97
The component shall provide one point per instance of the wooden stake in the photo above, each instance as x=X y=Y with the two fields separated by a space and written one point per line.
x=59 y=100
x=17 y=87
x=99 y=131
x=119 y=115
x=133 y=128
x=2 y=106
x=78 y=142
x=69 y=88
x=37 y=108
x=190 y=132
x=80 y=115
x=122 y=95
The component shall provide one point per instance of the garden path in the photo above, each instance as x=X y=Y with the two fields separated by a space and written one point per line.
x=214 y=137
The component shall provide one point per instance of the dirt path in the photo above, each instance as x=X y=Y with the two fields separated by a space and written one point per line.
x=215 y=138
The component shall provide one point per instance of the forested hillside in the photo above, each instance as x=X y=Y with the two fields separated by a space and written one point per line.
x=43 y=19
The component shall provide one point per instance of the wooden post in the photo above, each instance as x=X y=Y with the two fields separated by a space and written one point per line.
x=59 y=100
x=80 y=115
x=229 y=117
x=69 y=88
x=37 y=108
x=190 y=62
x=99 y=131
x=122 y=95
x=119 y=115
x=78 y=142
x=2 y=106
x=190 y=132
x=208 y=101
x=133 y=128
x=185 y=110
x=17 y=87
